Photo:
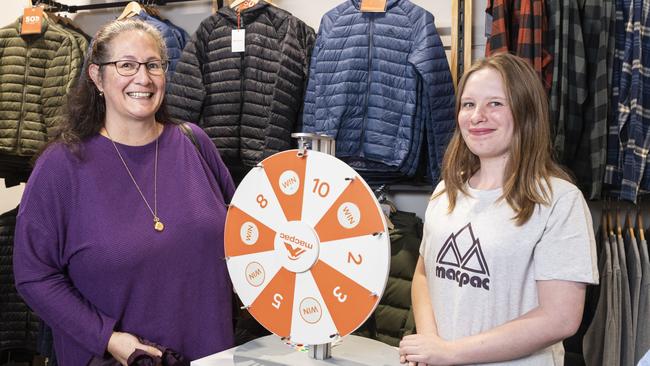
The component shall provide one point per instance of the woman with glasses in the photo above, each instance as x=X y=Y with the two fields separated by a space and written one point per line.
x=119 y=238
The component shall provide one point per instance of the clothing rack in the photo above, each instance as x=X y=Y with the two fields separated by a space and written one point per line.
x=461 y=37
x=57 y=6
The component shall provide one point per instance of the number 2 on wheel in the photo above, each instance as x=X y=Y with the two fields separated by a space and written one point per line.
x=356 y=260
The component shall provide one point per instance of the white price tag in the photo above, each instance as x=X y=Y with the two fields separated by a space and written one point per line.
x=238 y=40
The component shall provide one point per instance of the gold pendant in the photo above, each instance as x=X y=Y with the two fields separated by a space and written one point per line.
x=158 y=226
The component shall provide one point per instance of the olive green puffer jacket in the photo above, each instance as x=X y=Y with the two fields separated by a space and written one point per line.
x=36 y=73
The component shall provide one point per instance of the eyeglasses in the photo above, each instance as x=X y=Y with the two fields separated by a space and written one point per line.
x=130 y=68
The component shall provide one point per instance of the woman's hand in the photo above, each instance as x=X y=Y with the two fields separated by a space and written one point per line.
x=122 y=345
x=426 y=349
x=402 y=359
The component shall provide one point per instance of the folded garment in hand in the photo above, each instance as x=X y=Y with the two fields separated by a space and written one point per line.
x=141 y=358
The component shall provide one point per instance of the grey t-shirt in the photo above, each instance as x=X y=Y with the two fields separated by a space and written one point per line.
x=482 y=268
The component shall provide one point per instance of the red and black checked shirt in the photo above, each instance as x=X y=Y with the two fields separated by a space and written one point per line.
x=519 y=27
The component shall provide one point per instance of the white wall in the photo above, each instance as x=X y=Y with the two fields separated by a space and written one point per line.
x=188 y=15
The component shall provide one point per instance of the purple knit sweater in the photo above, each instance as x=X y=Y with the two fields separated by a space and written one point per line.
x=88 y=261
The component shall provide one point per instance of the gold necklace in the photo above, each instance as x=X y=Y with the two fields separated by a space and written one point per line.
x=157 y=224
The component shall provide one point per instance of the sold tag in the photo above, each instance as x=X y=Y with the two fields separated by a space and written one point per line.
x=32 y=20
x=238 y=40
x=373 y=6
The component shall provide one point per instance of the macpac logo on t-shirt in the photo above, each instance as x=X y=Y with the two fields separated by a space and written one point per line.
x=461 y=259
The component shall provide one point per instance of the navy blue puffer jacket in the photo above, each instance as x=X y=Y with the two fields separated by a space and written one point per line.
x=380 y=84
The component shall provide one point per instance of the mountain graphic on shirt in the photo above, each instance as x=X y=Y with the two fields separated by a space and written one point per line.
x=462 y=249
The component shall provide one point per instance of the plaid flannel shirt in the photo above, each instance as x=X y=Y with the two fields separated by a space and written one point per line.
x=569 y=89
x=634 y=104
x=519 y=27
x=613 y=168
x=588 y=166
x=499 y=40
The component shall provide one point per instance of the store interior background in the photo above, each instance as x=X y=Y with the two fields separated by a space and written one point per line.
x=189 y=15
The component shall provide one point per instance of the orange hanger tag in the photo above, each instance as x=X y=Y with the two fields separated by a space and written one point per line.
x=247 y=4
x=373 y=6
x=32 y=20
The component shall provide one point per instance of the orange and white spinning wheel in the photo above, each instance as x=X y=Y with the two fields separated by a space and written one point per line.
x=307 y=247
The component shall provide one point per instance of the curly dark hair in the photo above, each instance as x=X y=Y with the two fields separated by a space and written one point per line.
x=85 y=110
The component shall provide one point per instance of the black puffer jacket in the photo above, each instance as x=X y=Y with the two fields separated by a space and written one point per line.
x=18 y=325
x=247 y=102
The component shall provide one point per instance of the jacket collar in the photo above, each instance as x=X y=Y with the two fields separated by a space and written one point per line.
x=389 y=3
x=249 y=15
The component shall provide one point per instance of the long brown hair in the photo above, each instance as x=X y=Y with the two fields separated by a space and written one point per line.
x=85 y=109
x=530 y=166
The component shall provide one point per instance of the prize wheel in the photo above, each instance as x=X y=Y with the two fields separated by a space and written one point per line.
x=307 y=247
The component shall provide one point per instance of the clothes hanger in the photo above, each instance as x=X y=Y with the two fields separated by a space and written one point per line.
x=67 y=21
x=603 y=226
x=131 y=9
x=150 y=8
x=610 y=226
x=236 y=3
x=619 y=229
x=639 y=224
x=39 y=3
x=153 y=11
x=53 y=17
x=628 y=224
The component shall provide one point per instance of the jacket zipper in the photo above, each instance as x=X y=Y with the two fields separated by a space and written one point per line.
x=241 y=82
x=365 y=115
x=21 y=121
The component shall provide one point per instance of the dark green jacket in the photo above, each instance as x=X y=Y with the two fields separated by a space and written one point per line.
x=36 y=73
x=393 y=318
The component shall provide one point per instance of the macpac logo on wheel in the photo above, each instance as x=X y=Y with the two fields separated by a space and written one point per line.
x=295 y=246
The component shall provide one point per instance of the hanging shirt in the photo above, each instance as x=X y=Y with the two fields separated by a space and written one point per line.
x=597 y=17
x=643 y=331
x=482 y=269
x=601 y=343
x=519 y=27
x=629 y=135
x=627 y=330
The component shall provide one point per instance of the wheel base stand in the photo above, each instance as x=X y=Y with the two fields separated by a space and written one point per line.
x=351 y=351
x=320 y=351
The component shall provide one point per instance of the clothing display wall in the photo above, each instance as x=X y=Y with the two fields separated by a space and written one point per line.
x=597 y=109
x=595 y=56
x=379 y=83
x=247 y=102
